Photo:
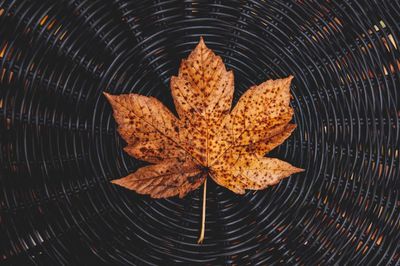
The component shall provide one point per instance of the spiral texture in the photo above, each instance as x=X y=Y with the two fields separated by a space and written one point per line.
x=60 y=149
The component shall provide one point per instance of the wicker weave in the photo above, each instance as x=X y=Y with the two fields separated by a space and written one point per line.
x=60 y=148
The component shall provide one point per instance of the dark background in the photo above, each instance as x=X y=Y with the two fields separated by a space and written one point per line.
x=59 y=146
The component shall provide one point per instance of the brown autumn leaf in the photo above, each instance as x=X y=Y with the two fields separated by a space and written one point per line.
x=209 y=138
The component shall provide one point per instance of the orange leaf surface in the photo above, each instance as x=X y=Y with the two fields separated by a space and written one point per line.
x=208 y=138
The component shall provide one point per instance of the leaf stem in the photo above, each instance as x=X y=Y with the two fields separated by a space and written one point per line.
x=203 y=217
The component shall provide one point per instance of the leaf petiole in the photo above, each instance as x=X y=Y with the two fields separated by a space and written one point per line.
x=203 y=218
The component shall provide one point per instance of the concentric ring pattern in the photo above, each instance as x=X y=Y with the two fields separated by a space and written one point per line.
x=59 y=146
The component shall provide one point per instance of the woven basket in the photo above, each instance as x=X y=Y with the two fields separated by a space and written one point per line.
x=60 y=148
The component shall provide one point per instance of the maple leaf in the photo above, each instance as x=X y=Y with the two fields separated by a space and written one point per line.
x=208 y=138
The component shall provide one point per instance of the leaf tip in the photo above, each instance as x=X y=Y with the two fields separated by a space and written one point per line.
x=119 y=182
x=108 y=96
x=201 y=43
x=296 y=170
x=114 y=181
x=288 y=81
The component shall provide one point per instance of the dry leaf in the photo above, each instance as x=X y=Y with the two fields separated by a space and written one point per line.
x=207 y=139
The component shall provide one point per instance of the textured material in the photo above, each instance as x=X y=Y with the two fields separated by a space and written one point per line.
x=60 y=147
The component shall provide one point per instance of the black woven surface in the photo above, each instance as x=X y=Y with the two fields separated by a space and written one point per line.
x=59 y=146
